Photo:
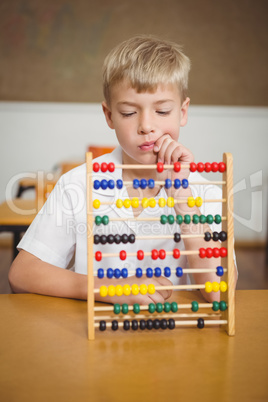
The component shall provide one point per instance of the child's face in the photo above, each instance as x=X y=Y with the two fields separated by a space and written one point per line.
x=140 y=119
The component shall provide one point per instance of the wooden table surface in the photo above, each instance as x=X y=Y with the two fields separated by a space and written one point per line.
x=45 y=355
x=18 y=212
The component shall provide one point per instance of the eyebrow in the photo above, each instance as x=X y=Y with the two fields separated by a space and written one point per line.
x=159 y=102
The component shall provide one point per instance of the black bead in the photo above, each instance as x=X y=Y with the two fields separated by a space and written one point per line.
x=135 y=325
x=149 y=324
x=117 y=239
x=142 y=324
x=207 y=236
x=156 y=324
x=163 y=323
x=114 y=325
x=216 y=236
x=102 y=325
x=200 y=323
x=103 y=239
x=110 y=238
x=177 y=237
x=171 y=323
x=131 y=238
x=96 y=239
x=223 y=236
x=124 y=238
x=126 y=325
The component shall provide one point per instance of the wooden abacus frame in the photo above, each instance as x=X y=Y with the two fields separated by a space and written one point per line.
x=228 y=261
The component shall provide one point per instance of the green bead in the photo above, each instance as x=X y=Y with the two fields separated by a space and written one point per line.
x=202 y=219
x=179 y=219
x=210 y=219
x=223 y=305
x=117 y=308
x=136 y=308
x=98 y=220
x=125 y=308
x=163 y=219
x=217 y=219
x=171 y=219
x=174 y=307
x=159 y=307
x=151 y=308
x=105 y=219
x=167 y=307
x=216 y=306
x=195 y=306
x=187 y=219
x=195 y=218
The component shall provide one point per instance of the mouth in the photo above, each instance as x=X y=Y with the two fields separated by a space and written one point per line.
x=147 y=146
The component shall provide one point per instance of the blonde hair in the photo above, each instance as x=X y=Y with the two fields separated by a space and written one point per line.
x=146 y=62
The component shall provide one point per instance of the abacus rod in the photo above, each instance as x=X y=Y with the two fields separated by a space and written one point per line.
x=143 y=219
x=178 y=323
x=172 y=287
x=185 y=271
x=180 y=201
x=148 y=253
x=162 y=183
x=159 y=315
x=153 y=166
x=145 y=307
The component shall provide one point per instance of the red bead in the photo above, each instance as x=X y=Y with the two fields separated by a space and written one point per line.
x=207 y=167
x=96 y=167
x=104 y=167
x=214 y=167
x=154 y=254
x=222 y=167
x=223 y=252
x=202 y=252
x=200 y=167
x=111 y=167
x=216 y=252
x=193 y=167
x=162 y=254
x=122 y=255
x=160 y=167
x=98 y=256
x=177 y=167
x=176 y=253
x=209 y=252
x=140 y=255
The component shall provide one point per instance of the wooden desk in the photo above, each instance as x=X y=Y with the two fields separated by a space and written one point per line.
x=45 y=356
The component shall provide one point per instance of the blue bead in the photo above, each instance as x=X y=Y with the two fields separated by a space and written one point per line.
x=157 y=272
x=143 y=183
x=149 y=273
x=184 y=183
x=168 y=183
x=151 y=183
x=220 y=271
x=119 y=183
x=100 y=273
x=179 y=272
x=111 y=184
x=104 y=184
x=177 y=183
x=96 y=184
x=110 y=273
x=136 y=183
x=138 y=272
x=167 y=272
x=124 y=273
x=117 y=273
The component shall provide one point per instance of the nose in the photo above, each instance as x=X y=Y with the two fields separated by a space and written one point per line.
x=145 y=124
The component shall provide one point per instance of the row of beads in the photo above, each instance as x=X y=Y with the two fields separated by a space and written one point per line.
x=150 y=202
x=212 y=252
x=216 y=306
x=143 y=184
x=149 y=272
x=143 y=324
x=215 y=286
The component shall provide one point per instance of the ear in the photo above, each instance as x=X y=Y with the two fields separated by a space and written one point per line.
x=184 y=112
x=108 y=114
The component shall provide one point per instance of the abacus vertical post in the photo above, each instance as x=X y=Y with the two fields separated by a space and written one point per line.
x=90 y=276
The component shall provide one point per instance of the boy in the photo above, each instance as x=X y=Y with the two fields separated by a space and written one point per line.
x=145 y=82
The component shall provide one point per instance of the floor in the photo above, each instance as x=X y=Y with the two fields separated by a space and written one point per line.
x=251 y=263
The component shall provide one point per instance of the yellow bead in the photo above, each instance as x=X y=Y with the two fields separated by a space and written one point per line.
x=111 y=290
x=145 y=202
x=215 y=286
x=96 y=204
x=143 y=289
x=162 y=202
x=119 y=203
x=126 y=290
x=151 y=289
x=170 y=202
x=119 y=290
x=127 y=203
x=152 y=202
x=135 y=289
x=191 y=202
x=223 y=286
x=135 y=202
x=103 y=291
x=208 y=287
x=198 y=201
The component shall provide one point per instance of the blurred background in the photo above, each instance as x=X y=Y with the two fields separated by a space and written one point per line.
x=51 y=55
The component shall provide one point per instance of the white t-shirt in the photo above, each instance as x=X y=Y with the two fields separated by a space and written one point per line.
x=59 y=231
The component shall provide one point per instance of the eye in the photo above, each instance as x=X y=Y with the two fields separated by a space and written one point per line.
x=163 y=112
x=129 y=114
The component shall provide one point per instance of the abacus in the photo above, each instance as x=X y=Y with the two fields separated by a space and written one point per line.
x=162 y=316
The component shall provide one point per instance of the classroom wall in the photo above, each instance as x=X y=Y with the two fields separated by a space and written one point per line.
x=37 y=136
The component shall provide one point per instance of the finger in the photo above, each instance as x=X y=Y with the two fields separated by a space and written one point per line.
x=163 y=148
